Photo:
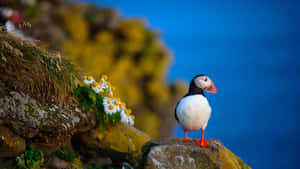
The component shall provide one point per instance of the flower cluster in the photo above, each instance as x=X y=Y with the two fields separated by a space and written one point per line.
x=111 y=105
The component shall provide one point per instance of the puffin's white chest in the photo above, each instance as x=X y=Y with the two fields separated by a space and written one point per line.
x=193 y=112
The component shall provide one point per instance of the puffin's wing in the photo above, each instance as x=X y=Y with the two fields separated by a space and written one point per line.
x=176 y=117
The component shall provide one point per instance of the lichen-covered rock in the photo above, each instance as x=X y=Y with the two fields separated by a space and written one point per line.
x=123 y=138
x=120 y=143
x=174 y=153
x=10 y=144
x=29 y=118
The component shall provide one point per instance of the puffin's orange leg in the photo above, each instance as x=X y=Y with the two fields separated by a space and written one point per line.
x=202 y=142
x=186 y=137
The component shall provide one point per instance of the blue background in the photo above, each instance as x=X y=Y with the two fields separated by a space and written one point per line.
x=250 y=49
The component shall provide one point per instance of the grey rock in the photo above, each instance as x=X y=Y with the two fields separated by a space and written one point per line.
x=29 y=118
x=174 y=153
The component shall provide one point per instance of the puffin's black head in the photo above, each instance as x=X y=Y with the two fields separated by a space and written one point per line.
x=201 y=83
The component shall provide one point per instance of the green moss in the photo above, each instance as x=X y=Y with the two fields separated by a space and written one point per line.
x=30 y=159
x=28 y=68
x=64 y=154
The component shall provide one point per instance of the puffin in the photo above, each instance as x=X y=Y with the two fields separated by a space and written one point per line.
x=193 y=111
x=9 y=15
x=10 y=19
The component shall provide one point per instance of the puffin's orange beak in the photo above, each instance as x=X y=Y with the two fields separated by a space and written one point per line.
x=211 y=89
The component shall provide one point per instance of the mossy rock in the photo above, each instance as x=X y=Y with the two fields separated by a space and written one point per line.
x=120 y=143
x=174 y=153
x=123 y=138
x=41 y=74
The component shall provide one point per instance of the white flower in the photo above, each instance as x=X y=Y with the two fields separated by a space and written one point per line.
x=97 y=87
x=110 y=109
x=88 y=80
x=123 y=116
x=122 y=106
x=126 y=118
x=106 y=101
x=116 y=103
x=110 y=92
x=131 y=120
x=109 y=106
x=105 y=83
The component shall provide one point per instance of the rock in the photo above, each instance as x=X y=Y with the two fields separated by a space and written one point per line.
x=98 y=161
x=10 y=144
x=56 y=163
x=29 y=118
x=47 y=149
x=123 y=138
x=118 y=144
x=174 y=153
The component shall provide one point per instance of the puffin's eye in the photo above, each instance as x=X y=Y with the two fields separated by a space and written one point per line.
x=205 y=79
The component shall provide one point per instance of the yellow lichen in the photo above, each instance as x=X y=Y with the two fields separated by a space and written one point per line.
x=123 y=138
x=228 y=159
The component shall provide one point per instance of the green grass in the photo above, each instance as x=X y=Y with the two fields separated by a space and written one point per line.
x=44 y=75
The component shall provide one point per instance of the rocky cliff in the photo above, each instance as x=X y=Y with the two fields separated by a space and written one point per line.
x=43 y=125
x=101 y=41
x=174 y=153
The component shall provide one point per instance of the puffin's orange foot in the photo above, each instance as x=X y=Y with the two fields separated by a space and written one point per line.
x=202 y=142
x=187 y=140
